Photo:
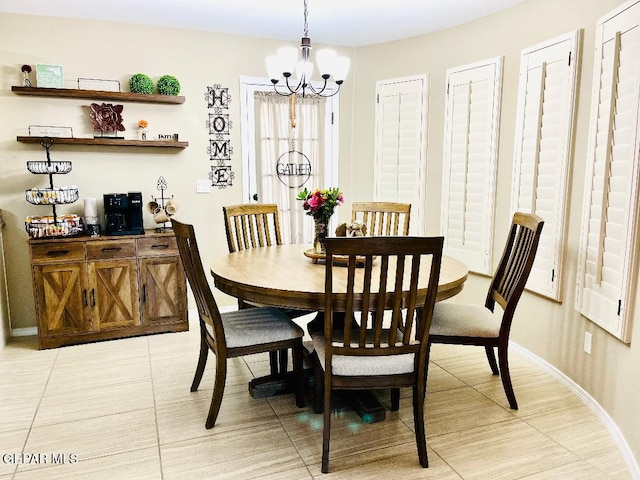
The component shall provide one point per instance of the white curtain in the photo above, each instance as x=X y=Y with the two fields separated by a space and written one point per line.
x=275 y=137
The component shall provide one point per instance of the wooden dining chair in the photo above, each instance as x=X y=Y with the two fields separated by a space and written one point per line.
x=476 y=324
x=254 y=225
x=251 y=225
x=233 y=334
x=382 y=218
x=377 y=354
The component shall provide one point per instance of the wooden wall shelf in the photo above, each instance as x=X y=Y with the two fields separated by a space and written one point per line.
x=111 y=142
x=97 y=95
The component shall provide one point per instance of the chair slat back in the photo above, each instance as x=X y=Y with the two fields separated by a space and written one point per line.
x=517 y=259
x=383 y=218
x=192 y=263
x=251 y=225
x=404 y=262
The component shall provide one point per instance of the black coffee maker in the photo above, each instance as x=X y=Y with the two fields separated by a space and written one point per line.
x=123 y=213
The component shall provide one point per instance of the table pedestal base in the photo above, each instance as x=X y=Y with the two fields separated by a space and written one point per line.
x=367 y=406
x=270 y=386
x=363 y=402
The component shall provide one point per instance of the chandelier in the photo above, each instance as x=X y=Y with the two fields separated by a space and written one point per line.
x=285 y=63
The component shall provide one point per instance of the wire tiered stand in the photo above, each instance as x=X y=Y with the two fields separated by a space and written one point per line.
x=162 y=208
x=55 y=225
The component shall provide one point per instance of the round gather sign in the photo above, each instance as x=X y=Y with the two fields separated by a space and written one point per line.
x=293 y=168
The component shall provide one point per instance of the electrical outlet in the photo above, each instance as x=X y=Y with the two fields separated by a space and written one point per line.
x=203 y=186
x=587 y=342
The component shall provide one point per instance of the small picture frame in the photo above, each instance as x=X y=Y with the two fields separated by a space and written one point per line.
x=50 y=131
x=49 y=76
x=98 y=84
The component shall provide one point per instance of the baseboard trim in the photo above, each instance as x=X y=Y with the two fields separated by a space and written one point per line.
x=24 y=332
x=590 y=402
x=29 y=331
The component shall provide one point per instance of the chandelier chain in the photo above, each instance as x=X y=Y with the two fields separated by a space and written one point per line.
x=306 y=24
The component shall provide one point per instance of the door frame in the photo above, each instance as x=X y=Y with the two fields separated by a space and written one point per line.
x=250 y=85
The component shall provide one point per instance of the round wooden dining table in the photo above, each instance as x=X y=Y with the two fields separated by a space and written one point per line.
x=282 y=276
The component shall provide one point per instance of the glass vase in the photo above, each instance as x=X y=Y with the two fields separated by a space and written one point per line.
x=320 y=234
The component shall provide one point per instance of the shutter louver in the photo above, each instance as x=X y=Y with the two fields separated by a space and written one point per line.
x=607 y=267
x=471 y=135
x=544 y=126
x=400 y=145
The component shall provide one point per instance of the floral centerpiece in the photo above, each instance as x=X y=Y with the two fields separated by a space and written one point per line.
x=320 y=204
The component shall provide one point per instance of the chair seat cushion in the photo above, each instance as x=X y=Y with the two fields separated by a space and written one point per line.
x=350 y=366
x=257 y=326
x=459 y=320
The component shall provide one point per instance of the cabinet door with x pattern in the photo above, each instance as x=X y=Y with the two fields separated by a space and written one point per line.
x=113 y=293
x=163 y=290
x=62 y=298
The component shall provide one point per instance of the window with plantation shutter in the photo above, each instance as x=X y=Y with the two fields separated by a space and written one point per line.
x=544 y=131
x=401 y=145
x=469 y=164
x=607 y=269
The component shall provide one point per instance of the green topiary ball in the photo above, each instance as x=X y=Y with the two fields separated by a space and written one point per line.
x=141 y=83
x=168 y=85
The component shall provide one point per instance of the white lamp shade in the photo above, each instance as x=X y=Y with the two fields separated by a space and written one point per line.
x=273 y=67
x=287 y=57
x=326 y=60
x=340 y=68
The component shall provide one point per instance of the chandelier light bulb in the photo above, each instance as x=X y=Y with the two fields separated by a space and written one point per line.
x=326 y=61
x=288 y=58
x=340 y=69
x=274 y=70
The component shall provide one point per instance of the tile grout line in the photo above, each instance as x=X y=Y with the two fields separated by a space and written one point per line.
x=15 y=471
x=155 y=410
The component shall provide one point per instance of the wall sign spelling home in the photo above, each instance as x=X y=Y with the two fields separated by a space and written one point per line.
x=219 y=125
x=293 y=167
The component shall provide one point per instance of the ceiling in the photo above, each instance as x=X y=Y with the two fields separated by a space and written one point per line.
x=338 y=22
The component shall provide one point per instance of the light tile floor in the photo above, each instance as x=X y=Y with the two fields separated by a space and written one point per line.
x=122 y=410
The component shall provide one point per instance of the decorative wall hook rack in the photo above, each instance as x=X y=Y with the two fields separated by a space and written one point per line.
x=162 y=207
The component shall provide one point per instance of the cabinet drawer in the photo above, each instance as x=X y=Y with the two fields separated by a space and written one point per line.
x=57 y=252
x=108 y=249
x=155 y=246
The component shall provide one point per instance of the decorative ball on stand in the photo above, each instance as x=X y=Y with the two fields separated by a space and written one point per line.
x=168 y=85
x=141 y=83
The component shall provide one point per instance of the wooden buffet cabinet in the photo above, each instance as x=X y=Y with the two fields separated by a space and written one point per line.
x=99 y=288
